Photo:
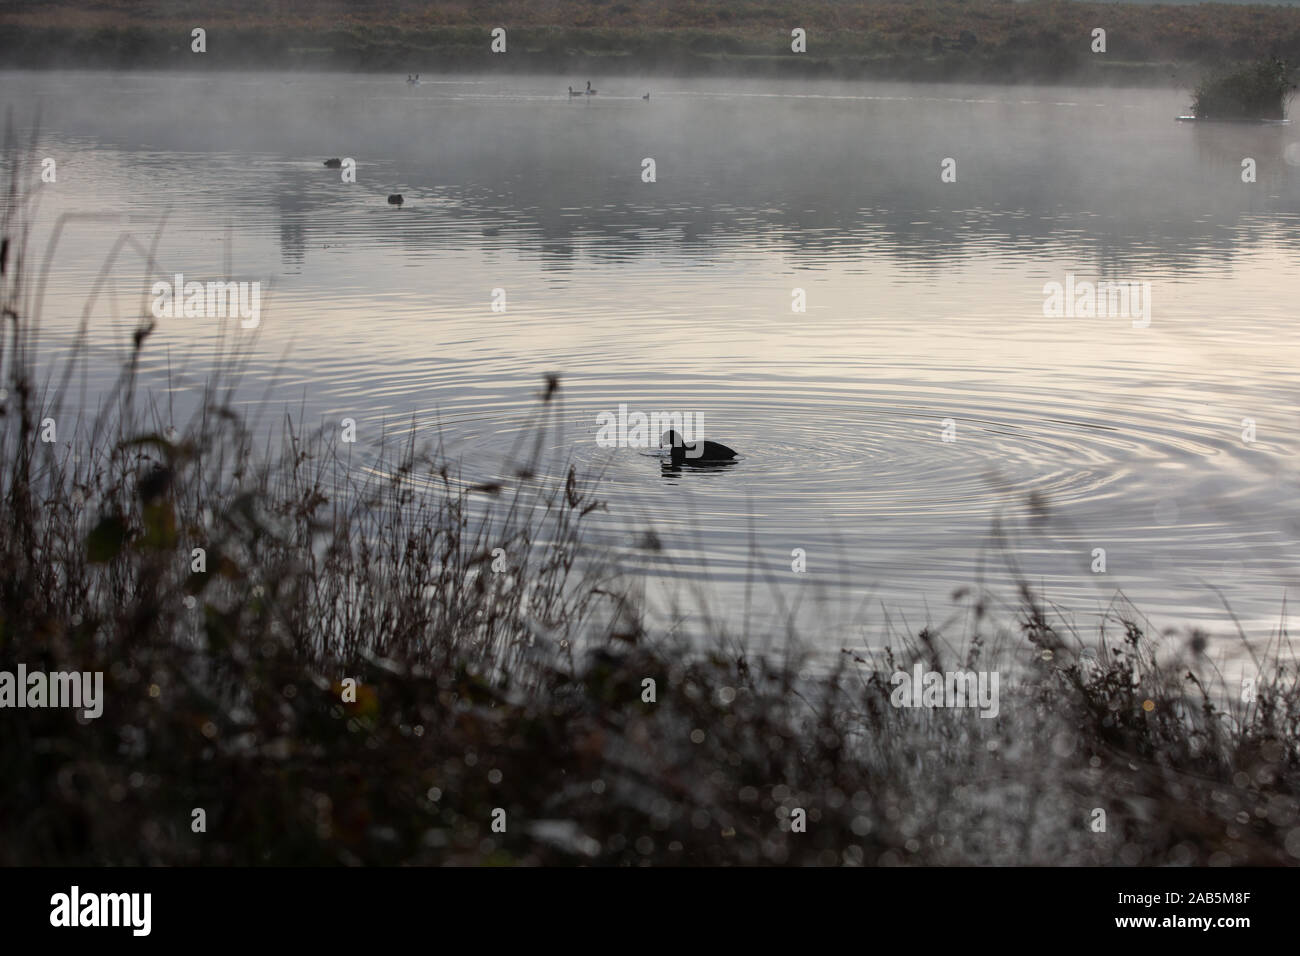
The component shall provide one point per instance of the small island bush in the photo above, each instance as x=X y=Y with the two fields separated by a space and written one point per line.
x=1258 y=91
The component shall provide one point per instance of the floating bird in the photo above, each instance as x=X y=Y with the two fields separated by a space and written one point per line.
x=573 y=92
x=646 y=97
x=590 y=91
x=711 y=453
x=333 y=163
x=395 y=199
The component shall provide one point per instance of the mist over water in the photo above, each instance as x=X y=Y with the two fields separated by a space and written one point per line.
x=924 y=304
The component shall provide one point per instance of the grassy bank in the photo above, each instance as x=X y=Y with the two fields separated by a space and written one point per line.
x=994 y=40
x=522 y=688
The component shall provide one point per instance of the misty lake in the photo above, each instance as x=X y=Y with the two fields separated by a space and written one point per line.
x=922 y=424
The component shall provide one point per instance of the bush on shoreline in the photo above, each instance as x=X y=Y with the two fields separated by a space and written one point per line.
x=525 y=692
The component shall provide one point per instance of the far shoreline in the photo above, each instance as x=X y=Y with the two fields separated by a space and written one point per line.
x=1150 y=76
x=978 y=41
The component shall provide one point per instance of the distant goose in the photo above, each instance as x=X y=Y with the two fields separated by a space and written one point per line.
x=333 y=163
x=712 y=452
x=646 y=97
x=573 y=92
x=590 y=91
x=396 y=199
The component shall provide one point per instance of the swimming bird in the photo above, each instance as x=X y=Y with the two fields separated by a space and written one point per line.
x=396 y=199
x=711 y=453
x=333 y=163
x=590 y=91
x=646 y=97
x=573 y=92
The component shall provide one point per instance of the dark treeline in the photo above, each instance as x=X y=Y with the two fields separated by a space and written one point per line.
x=995 y=40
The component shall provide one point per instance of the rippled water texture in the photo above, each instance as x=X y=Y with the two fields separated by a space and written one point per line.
x=924 y=304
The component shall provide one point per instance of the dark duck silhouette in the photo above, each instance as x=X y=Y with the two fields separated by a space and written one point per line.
x=711 y=453
x=396 y=199
x=333 y=163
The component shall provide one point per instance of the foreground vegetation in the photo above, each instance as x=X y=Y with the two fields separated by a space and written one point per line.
x=995 y=40
x=523 y=690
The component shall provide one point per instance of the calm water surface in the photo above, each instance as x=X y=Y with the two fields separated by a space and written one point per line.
x=924 y=303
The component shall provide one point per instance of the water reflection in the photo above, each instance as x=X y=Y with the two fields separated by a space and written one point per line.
x=924 y=306
x=1096 y=175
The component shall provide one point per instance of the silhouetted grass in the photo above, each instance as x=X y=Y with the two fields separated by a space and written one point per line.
x=522 y=689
